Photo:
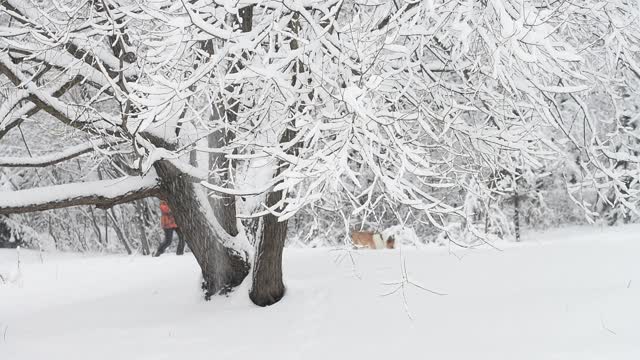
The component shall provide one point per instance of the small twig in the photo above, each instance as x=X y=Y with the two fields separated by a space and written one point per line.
x=406 y=304
x=452 y=253
x=425 y=289
x=338 y=260
x=401 y=285
x=354 y=267
x=629 y=284
x=4 y=335
x=605 y=327
x=25 y=141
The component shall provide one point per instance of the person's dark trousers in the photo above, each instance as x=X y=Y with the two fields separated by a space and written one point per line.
x=168 y=237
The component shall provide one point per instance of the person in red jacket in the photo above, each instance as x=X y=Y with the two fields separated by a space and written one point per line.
x=169 y=226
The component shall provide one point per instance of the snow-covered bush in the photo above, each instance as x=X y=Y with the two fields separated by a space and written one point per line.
x=14 y=234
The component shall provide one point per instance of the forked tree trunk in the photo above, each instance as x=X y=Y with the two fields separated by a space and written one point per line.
x=223 y=268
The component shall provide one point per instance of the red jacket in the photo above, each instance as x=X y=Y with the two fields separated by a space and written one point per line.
x=167 y=220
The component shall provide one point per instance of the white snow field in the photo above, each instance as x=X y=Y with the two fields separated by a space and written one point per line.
x=567 y=294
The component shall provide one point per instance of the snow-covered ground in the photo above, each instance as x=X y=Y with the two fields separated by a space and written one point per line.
x=568 y=294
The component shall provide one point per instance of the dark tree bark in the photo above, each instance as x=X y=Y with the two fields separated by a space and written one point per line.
x=267 y=287
x=223 y=268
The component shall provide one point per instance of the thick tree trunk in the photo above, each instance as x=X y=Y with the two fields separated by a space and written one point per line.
x=223 y=267
x=267 y=287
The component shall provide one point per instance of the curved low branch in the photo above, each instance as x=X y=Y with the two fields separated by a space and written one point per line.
x=49 y=159
x=103 y=194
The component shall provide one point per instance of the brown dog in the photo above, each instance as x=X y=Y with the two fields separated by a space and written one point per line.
x=371 y=240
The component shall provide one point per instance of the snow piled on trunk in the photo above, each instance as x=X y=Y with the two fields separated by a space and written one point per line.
x=567 y=294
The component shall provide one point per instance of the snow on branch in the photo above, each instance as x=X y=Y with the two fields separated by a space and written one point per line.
x=49 y=159
x=29 y=109
x=239 y=192
x=69 y=115
x=103 y=194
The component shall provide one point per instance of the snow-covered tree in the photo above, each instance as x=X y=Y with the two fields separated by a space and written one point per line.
x=276 y=105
